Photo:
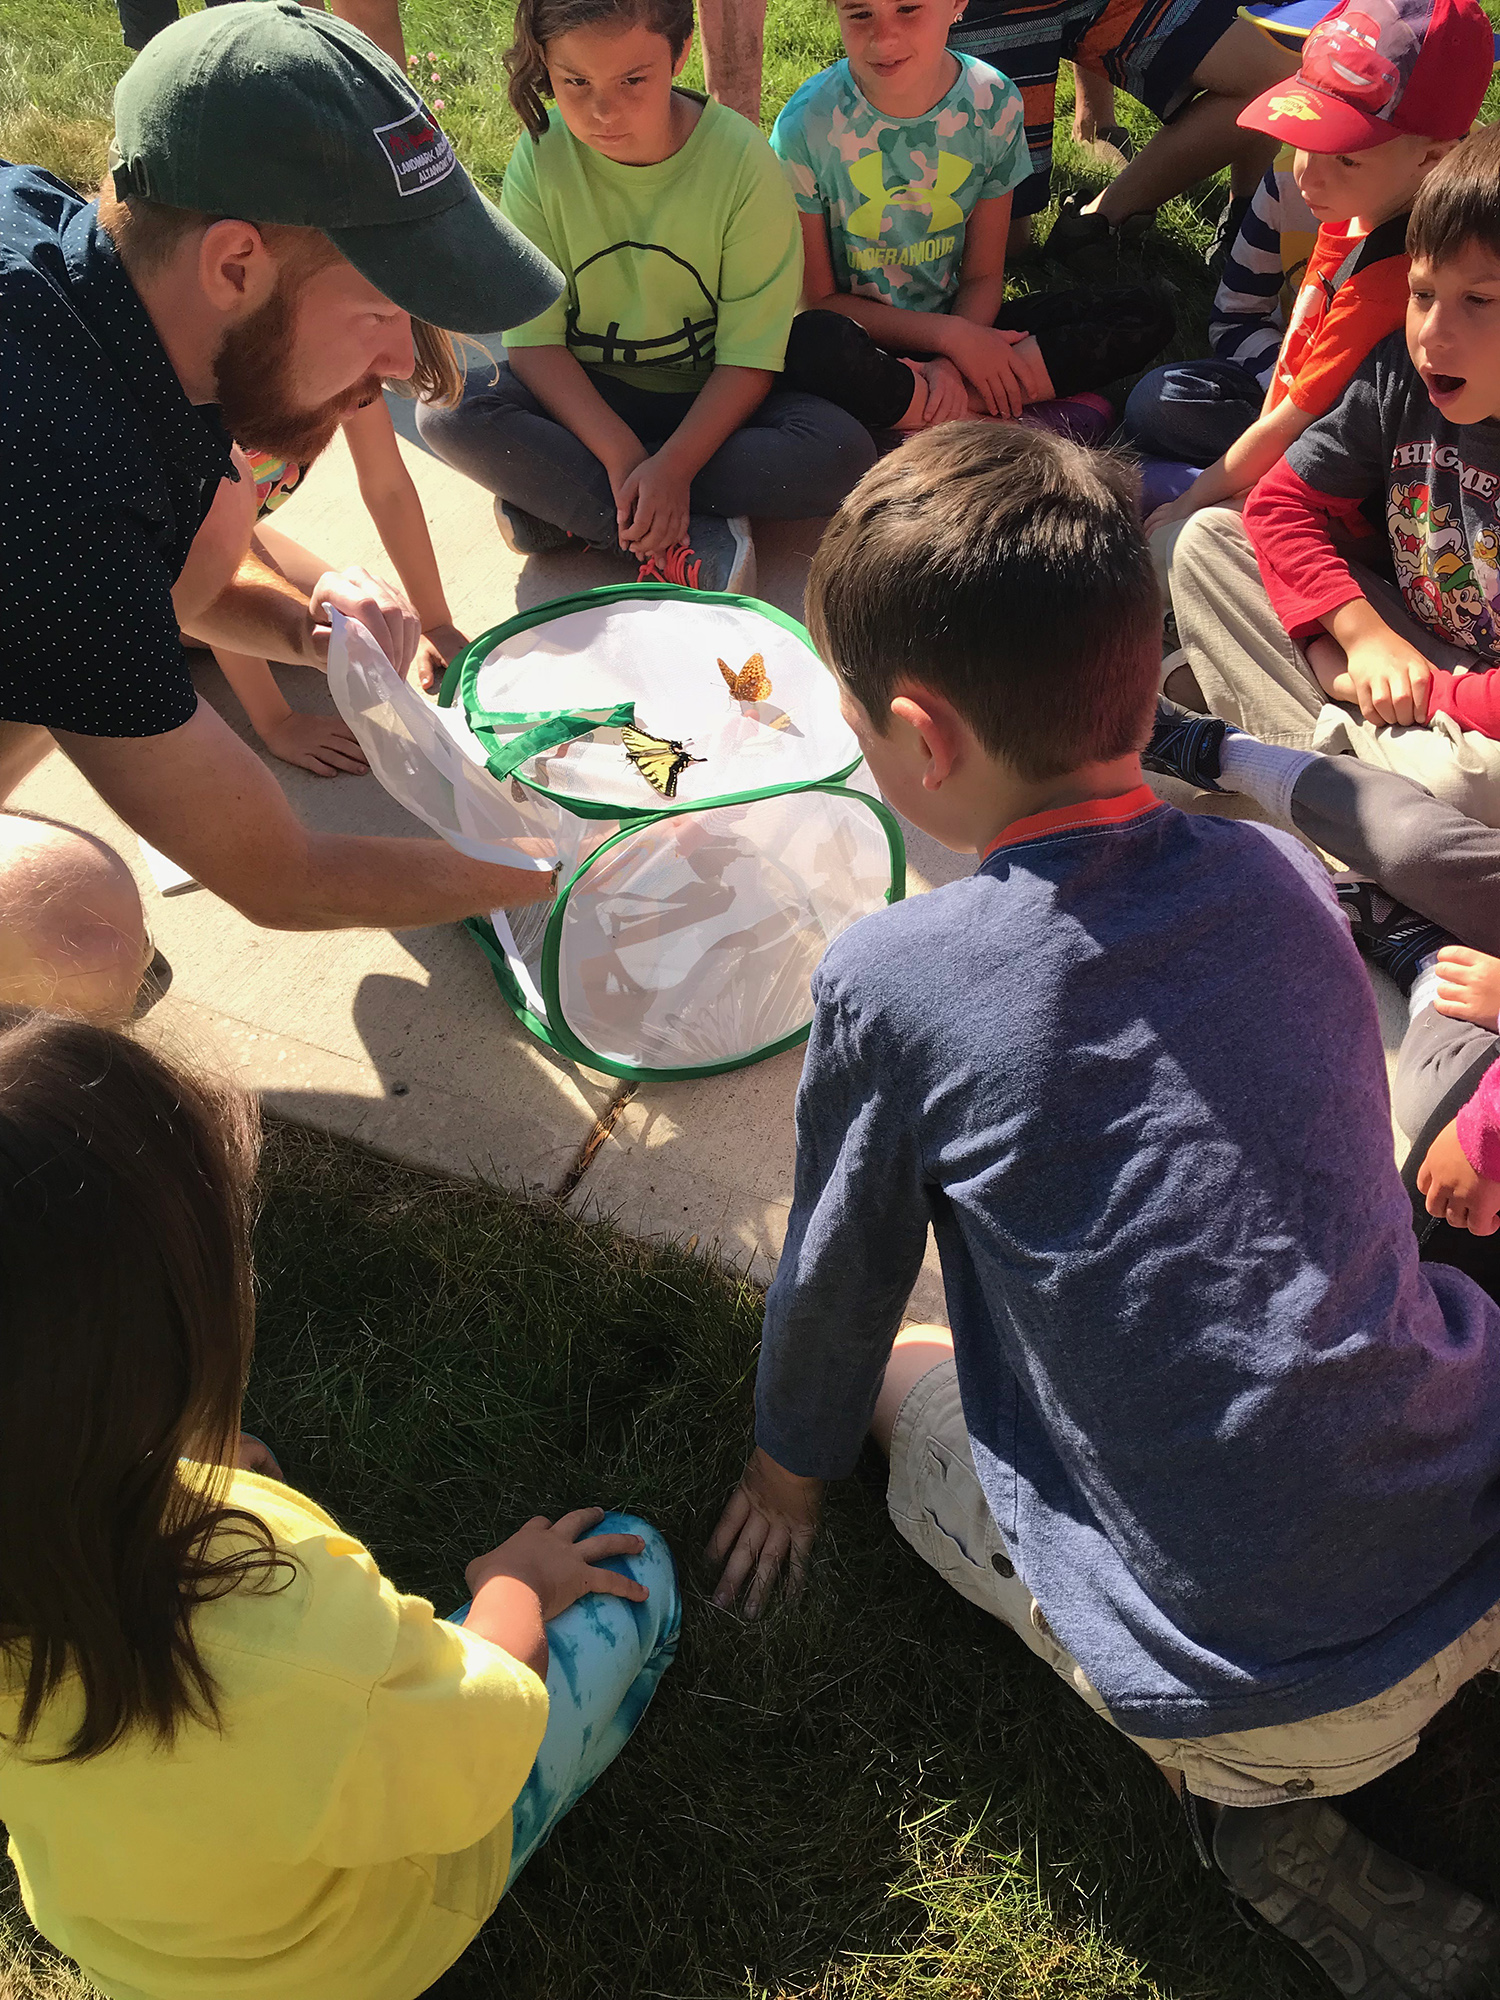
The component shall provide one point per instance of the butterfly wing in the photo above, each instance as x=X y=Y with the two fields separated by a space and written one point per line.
x=751 y=683
x=660 y=761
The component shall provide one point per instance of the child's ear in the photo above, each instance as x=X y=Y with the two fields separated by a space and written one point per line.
x=687 y=50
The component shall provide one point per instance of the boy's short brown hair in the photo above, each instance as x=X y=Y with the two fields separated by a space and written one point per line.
x=1459 y=202
x=1005 y=569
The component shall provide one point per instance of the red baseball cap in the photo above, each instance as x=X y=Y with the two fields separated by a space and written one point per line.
x=1373 y=70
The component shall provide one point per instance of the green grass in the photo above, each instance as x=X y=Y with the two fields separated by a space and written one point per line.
x=872 y=1796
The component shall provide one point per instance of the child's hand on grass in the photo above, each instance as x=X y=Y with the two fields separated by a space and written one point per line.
x=321 y=744
x=768 y=1525
x=1453 y=1191
x=652 y=507
x=1468 y=986
x=1385 y=677
x=551 y=1561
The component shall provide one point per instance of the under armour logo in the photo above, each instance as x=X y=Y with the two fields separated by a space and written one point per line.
x=868 y=178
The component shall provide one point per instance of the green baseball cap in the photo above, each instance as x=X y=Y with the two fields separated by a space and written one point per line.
x=270 y=112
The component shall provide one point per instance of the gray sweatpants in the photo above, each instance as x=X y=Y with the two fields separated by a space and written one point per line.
x=1256 y=677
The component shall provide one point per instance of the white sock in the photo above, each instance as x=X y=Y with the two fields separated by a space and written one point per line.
x=1265 y=772
x=1424 y=986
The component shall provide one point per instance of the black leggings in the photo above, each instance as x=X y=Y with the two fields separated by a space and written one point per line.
x=1087 y=338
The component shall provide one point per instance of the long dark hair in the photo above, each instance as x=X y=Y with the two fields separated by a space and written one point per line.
x=125 y=1289
x=540 y=21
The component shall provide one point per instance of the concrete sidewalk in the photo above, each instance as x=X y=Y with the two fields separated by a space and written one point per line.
x=400 y=1040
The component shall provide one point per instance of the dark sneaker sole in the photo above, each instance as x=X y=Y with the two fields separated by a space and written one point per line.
x=1379 y=1929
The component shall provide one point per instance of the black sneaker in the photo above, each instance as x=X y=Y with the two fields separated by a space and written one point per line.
x=1380 y=1930
x=1076 y=231
x=529 y=535
x=1387 y=932
x=1186 y=746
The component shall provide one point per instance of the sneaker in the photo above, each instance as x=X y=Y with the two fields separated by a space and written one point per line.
x=718 y=555
x=1077 y=230
x=529 y=535
x=1387 y=932
x=1379 y=1929
x=1186 y=746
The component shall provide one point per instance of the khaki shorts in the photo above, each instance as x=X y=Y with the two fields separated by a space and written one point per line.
x=937 y=1503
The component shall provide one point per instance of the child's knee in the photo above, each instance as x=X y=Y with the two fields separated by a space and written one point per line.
x=653 y=1567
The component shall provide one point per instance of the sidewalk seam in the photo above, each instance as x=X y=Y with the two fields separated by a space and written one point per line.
x=604 y=1124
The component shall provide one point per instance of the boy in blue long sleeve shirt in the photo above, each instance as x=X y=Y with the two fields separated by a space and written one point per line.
x=1208 y=1436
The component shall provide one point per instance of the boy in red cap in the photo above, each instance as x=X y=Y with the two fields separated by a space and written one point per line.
x=1306 y=630
x=1385 y=90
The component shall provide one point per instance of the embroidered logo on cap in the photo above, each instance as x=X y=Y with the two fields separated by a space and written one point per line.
x=1293 y=106
x=418 y=151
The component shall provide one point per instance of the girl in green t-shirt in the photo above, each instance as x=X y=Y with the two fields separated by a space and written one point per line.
x=642 y=410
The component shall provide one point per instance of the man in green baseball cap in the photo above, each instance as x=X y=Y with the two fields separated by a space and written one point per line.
x=280 y=203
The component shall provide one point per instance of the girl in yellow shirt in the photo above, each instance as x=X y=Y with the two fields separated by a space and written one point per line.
x=234 y=1758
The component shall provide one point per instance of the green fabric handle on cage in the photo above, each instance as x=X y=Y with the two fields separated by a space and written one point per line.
x=548 y=730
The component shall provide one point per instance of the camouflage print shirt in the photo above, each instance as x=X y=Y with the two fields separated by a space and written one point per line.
x=897 y=193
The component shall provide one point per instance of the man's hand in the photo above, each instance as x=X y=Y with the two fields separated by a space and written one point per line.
x=1389 y=679
x=1453 y=1190
x=769 y=1524
x=321 y=744
x=385 y=614
x=551 y=1561
x=652 y=506
x=983 y=356
x=1468 y=986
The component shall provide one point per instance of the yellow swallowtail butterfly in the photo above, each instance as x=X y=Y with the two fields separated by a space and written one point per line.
x=660 y=761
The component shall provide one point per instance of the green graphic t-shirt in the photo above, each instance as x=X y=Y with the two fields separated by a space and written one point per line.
x=672 y=269
x=897 y=193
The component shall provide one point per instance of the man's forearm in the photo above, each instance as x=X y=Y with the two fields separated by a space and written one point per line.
x=364 y=882
x=259 y=612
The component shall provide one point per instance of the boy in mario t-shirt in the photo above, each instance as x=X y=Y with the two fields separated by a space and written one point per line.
x=1385 y=90
x=1313 y=650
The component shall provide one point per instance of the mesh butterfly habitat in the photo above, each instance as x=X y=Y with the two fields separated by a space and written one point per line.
x=683 y=758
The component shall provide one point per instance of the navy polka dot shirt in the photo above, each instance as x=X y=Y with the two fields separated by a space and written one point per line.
x=111 y=474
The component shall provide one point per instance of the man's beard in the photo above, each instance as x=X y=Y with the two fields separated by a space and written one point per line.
x=253 y=378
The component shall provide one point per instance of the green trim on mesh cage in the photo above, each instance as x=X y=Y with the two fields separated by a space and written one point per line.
x=555 y=1031
x=463 y=672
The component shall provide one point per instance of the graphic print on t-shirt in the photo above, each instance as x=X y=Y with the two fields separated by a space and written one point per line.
x=620 y=271
x=896 y=194
x=1449 y=581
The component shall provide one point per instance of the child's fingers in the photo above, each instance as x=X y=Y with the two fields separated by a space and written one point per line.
x=733 y=1518
x=571 y=1525
x=1457 y=954
x=610 y=1583
x=595 y=1548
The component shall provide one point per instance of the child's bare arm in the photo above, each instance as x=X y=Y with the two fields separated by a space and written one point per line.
x=322 y=744
x=653 y=497
x=395 y=506
x=981 y=353
x=1387 y=676
x=1249 y=458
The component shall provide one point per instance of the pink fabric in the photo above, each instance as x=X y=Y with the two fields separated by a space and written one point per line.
x=1288 y=524
x=1478 y=1126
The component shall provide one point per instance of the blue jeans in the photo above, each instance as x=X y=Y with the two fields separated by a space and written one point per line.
x=606 y=1656
x=1192 y=410
x=794 y=456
